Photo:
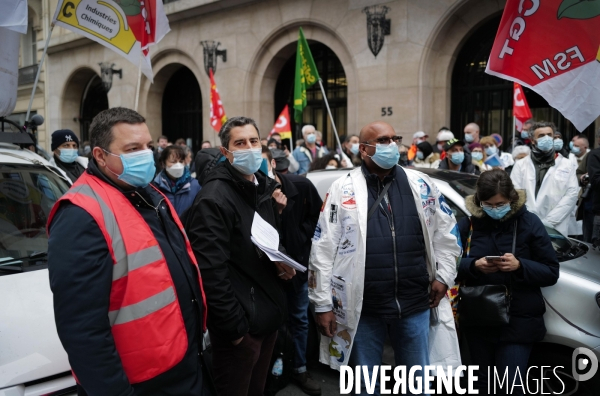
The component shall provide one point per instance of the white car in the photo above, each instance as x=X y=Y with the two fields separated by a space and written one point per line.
x=572 y=315
x=32 y=359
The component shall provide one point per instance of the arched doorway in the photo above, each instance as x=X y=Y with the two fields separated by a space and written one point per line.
x=182 y=108
x=332 y=73
x=487 y=100
x=93 y=101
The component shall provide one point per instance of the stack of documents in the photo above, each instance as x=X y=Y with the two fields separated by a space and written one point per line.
x=267 y=239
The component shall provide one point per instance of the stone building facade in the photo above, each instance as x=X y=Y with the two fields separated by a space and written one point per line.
x=409 y=83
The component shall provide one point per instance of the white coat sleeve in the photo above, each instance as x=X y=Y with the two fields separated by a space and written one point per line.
x=566 y=206
x=323 y=252
x=294 y=166
x=446 y=239
x=517 y=176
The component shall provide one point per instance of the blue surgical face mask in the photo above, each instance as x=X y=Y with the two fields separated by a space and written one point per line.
x=247 y=161
x=576 y=150
x=457 y=158
x=524 y=135
x=311 y=138
x=469 y=137
x=138 y=167
x=491 y=150
x=497 y=213
x=571 y=145
x=354 y=148
x=477 y=156
x=545 y=143
x=420 y=155
x=68 y=155
x=558 y=144
x=386 y=155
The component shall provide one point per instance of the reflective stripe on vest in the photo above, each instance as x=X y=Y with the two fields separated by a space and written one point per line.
x=144 y=313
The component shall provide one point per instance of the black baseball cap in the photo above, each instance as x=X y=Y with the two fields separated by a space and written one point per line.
x=453 y=142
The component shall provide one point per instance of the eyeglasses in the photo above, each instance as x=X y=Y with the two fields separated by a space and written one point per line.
x=499 y=206
x=385 y=140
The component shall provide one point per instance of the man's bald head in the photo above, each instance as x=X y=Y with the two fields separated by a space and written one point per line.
x=374 y=130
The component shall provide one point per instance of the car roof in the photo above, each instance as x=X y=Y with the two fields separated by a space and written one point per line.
x=13 y=154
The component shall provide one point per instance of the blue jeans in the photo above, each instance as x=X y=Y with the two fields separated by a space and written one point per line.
x=410 y=340
x=500 y=356
x=298 y=324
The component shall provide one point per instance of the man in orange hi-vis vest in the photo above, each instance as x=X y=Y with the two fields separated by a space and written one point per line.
x=128 y=299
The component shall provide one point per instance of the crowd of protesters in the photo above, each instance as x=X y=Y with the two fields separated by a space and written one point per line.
x=165 y=252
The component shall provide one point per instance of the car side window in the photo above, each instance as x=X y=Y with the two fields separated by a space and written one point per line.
x=456 y=210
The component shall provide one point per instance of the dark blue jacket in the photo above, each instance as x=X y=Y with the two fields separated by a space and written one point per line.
x=182 y=199
x=394 y=289
x=80 y=267
x=539 y=267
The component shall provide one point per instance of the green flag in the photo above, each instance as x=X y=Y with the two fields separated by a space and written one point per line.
x=306 y=75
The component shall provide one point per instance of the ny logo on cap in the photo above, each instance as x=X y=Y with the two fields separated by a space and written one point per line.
x=69 y=138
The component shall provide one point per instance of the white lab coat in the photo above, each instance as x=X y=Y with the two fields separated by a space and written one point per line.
x=339 y=249
x=557 y=197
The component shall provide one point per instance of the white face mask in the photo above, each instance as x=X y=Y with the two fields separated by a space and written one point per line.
x=176 y=170
x=331 y=167
x=270 y=174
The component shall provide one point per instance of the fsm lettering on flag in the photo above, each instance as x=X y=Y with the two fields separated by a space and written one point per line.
x=552 y=47
x=127 y=27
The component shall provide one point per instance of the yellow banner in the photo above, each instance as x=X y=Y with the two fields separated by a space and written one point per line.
x=103 y=21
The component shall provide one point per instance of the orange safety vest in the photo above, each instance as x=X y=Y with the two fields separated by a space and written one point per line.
x=144 y=313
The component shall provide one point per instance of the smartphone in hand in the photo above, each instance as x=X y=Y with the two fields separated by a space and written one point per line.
x=490 y=259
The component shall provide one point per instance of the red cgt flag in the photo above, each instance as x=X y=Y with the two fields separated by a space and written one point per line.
x=521 y=110
x=217 y=112
x=282 y=125
x=552 y=47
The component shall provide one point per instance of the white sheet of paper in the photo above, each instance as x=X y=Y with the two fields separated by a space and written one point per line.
x=264 y=233
x=266 y=237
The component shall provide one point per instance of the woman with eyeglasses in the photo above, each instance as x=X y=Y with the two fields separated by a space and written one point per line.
x=504 y=244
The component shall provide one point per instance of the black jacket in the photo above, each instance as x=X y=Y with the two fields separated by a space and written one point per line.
x=243 y=292
x=467 y=165
x=73 y=169
x=539 y=268
x=593 y=170
x=299 y=219
x=80 y=268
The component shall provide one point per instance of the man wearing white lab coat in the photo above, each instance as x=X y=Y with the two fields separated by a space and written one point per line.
x=548 y=179
x=342 y=254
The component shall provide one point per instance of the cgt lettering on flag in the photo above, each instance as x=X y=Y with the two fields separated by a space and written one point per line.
x=553 y=48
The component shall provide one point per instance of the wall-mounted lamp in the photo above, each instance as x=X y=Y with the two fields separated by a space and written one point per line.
x=106 y=73
x=211 y=52
x=377 y=27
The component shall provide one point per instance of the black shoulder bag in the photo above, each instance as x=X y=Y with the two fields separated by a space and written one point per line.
x=487 y=305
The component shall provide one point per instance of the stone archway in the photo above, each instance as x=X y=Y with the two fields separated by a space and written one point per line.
x=439 y=57
x=272 y=55
x=165 y=64
x=80 y=91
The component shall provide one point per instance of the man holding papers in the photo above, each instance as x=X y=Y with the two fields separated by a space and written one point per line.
x=243 y=292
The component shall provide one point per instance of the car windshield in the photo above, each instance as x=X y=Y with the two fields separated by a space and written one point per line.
x=27 y=194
